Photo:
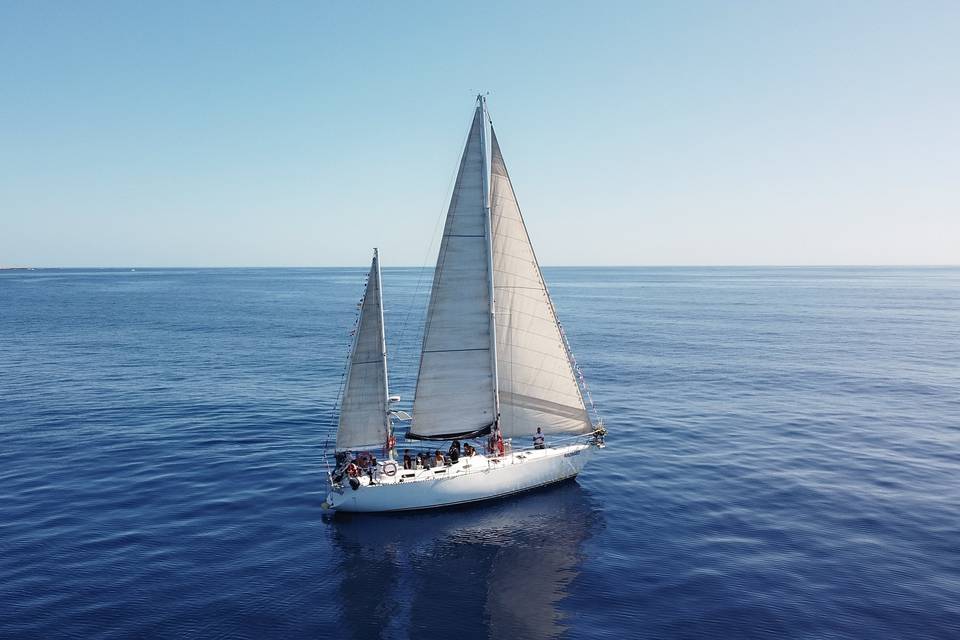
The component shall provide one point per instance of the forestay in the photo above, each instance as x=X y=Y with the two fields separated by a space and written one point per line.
x=455 y=385
x=536 y=379
x=364 y=417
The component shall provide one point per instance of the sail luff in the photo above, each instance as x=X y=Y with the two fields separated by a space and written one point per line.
x=363 y=420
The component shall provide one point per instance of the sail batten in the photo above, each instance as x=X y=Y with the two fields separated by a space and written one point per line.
x=364 y=414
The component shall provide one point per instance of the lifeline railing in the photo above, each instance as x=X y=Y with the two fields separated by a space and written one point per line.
x=429 y=473
x=420 y=447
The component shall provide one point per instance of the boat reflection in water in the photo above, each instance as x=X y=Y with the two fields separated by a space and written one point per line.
x=491 y=570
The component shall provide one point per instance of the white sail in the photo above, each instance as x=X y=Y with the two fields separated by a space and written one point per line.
x=537 y=384
x=364 y=417
x=493 y=353
x=456 y=384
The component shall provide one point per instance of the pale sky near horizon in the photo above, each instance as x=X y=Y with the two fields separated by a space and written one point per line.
x=644 y=133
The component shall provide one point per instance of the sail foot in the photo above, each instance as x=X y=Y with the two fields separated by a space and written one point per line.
x=466 y=435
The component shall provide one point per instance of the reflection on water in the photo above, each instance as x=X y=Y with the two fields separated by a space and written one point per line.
x=506 y=563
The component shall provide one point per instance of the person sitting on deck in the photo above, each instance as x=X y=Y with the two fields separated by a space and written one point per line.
x=407 y=460
x=420 y=460
x=438 y=459
x=538 y=439
x=454 y=452
x=468 y=450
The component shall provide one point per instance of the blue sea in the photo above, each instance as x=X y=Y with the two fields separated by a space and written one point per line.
x=783 y=461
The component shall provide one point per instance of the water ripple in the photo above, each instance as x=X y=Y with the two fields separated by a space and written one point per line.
x=783 y=463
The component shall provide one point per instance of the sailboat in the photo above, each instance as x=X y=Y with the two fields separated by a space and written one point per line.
x=495 y=366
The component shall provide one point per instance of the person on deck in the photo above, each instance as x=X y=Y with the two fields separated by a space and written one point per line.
x=439 y=461
x=497 y=436
x=407 y=460
x=538 y=442
x=468 y=450
x=454 y=452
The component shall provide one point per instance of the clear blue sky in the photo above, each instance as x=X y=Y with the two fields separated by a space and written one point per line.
x=305 y=133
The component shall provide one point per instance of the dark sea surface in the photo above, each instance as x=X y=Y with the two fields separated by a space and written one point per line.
x=783 y=462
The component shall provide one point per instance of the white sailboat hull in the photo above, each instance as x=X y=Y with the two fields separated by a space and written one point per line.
x=470 y=480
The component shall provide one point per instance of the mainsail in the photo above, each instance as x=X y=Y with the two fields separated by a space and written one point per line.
x=364 y=413
x=529 y=380
x=456 y=388
x=535 y=376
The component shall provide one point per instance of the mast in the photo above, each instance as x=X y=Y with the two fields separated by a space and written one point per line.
x=488 y=229
x=388 y=426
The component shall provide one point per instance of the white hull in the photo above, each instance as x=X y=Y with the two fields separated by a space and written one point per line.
x=470 y=480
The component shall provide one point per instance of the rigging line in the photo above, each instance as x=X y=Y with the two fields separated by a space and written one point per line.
x=330 y=421
x=331 y=429
x=578 y=375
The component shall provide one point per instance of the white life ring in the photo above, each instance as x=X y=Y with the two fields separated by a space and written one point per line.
x=389 y=468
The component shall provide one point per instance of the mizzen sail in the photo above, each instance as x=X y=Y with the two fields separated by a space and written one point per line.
x=456 y=384
x=364 y=412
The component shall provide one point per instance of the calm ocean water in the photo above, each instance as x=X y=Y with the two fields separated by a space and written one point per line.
x=783 y=462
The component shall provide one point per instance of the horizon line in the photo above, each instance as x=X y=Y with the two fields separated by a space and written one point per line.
x=549 y=266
